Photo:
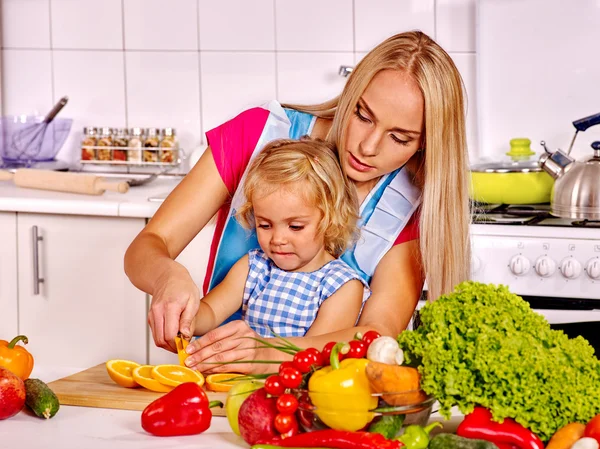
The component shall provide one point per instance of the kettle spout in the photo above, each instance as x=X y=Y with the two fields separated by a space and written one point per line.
x=555 y=164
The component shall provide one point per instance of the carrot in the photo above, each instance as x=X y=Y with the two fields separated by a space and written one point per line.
x=566 y=436
x=402 y=383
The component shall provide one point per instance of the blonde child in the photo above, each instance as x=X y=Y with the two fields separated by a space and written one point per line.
x=304 y=213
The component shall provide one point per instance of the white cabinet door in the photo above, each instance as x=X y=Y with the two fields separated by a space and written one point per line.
x=8 y=276
x=86 y=311
x=195 y=258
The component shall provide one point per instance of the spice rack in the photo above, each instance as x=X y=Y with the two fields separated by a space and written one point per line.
x=134 y=156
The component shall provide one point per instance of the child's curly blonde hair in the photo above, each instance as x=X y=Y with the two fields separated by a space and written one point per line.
x=314 y=163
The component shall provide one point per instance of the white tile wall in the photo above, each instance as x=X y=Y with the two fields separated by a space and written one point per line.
x=192 y=64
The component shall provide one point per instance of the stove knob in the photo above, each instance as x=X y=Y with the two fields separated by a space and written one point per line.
x=593 y=269
x=545 y=266
x=570 y=268
x=519 y=265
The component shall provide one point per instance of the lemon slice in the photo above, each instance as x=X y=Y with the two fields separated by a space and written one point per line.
x=120 y=371
x=143 y=376
x=174 y=375
x=222 y=381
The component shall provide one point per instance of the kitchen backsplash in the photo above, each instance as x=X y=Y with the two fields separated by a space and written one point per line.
x=192 y=64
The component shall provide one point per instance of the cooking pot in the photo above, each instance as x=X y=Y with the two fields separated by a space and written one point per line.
x=514 y=181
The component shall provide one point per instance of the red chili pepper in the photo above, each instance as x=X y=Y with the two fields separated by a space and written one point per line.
x=479 y=425
x=183 y=411
x=337 y=439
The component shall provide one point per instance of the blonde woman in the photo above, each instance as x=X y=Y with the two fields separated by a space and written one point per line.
x=399 y=128
x=303 y=212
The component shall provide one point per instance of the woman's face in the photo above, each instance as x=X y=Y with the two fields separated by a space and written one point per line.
x=385 y=130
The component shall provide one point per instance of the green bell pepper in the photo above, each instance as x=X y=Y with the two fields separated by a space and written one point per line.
x=417 y=437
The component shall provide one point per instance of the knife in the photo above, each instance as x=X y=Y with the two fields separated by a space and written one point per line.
x=181 y=342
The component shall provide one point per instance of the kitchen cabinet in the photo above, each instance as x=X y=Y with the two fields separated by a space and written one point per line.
x=8 y=275
x=195 y=258
x=87 y=311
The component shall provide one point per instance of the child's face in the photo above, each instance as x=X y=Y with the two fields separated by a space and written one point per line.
x=286 y=227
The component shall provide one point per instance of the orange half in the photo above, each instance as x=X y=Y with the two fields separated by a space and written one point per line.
x=121 y=371
x=173 y=375
x=222 y=381
x=143 y=376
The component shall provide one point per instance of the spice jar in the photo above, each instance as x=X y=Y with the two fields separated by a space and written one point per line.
x=136 y=142
x=120 y=139
x=105 y=140
x=150 y=153
x=168 y=146
x=89 y=140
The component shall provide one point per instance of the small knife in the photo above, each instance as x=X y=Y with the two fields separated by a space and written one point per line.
x=181 y=342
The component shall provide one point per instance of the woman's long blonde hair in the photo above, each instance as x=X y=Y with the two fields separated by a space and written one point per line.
x=284 y=163
x=442 y=169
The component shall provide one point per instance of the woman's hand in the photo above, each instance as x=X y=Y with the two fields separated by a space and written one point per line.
x=174 y=307
x=227 y=343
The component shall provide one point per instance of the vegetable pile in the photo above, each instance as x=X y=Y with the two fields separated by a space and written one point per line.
x=482 y=345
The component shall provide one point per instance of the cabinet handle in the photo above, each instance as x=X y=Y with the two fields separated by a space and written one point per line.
x=36 y=260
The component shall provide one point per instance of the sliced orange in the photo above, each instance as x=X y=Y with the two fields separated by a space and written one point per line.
x=174 y=375
x=222 y=381
x=181 y=343
x=143 y=376
x=121 y=372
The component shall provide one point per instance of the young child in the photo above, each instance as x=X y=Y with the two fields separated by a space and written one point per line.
x=304 y=213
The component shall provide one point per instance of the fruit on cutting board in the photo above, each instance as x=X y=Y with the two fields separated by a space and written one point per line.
x=235 y=398
x=257 y=417
x=121 y=372
x=12 y=394
x=174 y=375
x=143 y=376
x=40 y=398
x=222 y=381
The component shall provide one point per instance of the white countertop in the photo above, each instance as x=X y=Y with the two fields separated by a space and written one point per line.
x=134 y=203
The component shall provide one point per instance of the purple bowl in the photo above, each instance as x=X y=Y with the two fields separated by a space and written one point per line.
x=26 y=139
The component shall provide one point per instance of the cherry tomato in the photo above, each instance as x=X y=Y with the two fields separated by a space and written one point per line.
x=317 y=354
x=326 y=353
x=303 y=360
x=274 y=385
x=287 y=404
x=284 y=422
x=358 y=349
x=293 y=431
x=290 y=377
x=369 y=337
x=284 y=364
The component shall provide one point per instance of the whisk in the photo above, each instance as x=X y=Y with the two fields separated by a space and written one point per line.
x=28 y=141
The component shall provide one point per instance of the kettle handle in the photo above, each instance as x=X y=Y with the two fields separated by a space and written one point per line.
x=584 y=123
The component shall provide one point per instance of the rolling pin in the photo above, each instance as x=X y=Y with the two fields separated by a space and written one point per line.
x=84 y=183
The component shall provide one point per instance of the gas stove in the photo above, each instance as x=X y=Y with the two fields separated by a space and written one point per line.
x=553 y=262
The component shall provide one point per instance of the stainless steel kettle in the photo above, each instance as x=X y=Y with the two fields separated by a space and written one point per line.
x=576 y=191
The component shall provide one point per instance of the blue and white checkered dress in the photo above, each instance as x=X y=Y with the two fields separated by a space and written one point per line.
x=286 y=301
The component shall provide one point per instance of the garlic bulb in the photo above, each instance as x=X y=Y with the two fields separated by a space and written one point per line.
x=385 y=350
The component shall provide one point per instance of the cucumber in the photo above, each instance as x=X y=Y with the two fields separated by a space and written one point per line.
x=451 y=441
x=40 y=398
x=387 y=425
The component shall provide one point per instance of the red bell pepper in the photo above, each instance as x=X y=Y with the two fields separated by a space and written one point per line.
x=337 y=439
x=183 y=411
x=592 y=428
x=479 y=425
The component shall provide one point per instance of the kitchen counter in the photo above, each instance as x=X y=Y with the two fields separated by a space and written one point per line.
x=133 y=204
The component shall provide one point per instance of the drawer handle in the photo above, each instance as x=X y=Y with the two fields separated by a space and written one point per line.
x=36 y=238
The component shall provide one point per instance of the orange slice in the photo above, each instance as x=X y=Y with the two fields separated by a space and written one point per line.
x=181 y=343
x=173 y=375
x=143 y=376
x=222 y=381
x=121 y=372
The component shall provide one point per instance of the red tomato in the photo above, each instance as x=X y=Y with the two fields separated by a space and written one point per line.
x=358 y=349
x=284 y=364
x=303 y=360
x=369 y=337
x=287 y=404
x=284 y=422
x=592 y=429
x=274 y=386
x=290 y=377
x=317 y=354
x=326 y=353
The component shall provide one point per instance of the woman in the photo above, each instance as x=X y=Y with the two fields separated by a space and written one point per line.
x=399 y=126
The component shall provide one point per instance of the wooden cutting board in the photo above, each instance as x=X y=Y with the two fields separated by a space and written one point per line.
x=93 y=388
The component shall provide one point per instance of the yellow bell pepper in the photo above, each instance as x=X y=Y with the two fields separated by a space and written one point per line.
x=16 y=358
x=340 y=393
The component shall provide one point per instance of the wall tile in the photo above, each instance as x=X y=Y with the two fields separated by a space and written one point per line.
x=26 y=82
x=466 y=64
x=310 y=77
x=161 y=24
x=376 y=20
x=237 y=24
x=166 y=94
x=455 y=24
x=87 y=24
x=232 y=82
x=314 y=25
x=25 y=24
x=95 y=84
